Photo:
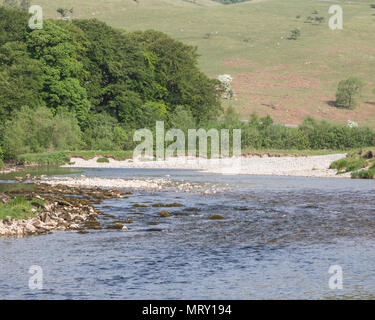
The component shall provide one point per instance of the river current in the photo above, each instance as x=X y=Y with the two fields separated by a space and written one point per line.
x=278 y=240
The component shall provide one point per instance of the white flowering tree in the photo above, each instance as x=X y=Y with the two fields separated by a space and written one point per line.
x=226 y=81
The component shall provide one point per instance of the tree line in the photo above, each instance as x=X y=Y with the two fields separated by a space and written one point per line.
x=101 y=82
x=83 y=85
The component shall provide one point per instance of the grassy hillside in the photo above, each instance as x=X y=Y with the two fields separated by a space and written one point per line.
x=285 y=78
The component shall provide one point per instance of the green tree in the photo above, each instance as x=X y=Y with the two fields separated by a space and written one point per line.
x=176 y=71
x=13 y=25
x=21 y=79
x=57 y=54
x=348 y=92
x=119 y=77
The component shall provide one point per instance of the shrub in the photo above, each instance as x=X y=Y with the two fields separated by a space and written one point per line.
x=102 y=160
x=251 y=137
x=348 y=164
x=182 y=119
x=103 y=132
x=66 y=133
x=326 y=135
x=1 y=158
x=50 y=158
x=37 y=130
x=149 y=113
x=364 y=174
x=348 y=92
x=294 y=34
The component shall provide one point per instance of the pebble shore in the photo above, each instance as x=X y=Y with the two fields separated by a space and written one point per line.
x=303 y=166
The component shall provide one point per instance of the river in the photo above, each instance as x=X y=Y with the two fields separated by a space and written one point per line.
x=278 y=240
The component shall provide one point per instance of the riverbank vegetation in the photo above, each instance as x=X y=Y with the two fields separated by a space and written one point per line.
x=22 y=213
x=83 y=85
x=19 y=208
x=361 y=164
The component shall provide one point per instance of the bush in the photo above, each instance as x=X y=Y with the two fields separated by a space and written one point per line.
x=50 y=158
x=1 y=158
x=326 y=135
x=281 y=137
x=102 y=160
x=294 y=34
x=103 y=132
x=37 y=130
x=364 y=174
x=149 y=113
x=348 y=164
x=348 y=92
x=66 y=133
x=263 y=133
x=182 y=119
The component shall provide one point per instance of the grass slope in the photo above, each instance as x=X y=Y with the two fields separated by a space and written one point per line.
x=18 y=208
x=272 y=75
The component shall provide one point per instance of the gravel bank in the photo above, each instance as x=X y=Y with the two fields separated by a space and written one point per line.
x=305 y=166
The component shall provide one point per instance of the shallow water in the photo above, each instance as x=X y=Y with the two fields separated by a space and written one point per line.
x=39 y=170
x=279 y=238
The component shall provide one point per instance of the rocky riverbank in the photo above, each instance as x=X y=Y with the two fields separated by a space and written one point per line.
x=60 y=208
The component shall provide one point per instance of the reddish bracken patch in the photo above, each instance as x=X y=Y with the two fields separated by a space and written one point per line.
x=291 y=96
x=265 y=80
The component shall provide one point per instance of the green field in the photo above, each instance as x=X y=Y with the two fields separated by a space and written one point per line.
x=287 y=79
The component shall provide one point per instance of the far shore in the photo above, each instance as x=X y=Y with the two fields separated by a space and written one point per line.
x=302 y=166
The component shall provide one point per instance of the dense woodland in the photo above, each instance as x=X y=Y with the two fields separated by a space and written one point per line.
x=83 y=85
x=86 y=75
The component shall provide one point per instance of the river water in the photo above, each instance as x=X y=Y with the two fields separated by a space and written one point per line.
x=278 y=240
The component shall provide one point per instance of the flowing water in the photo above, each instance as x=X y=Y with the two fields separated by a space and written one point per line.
x=279 y=237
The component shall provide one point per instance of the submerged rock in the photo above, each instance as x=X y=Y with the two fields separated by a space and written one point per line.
x=137 y=205
x=216 y=217
x=164 y=214
x=167 y=205
x=93 y=225
x=115 y=225
x=152 y=223
x=82 y=231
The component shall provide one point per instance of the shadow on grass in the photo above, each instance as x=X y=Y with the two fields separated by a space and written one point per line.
x=332 y=103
